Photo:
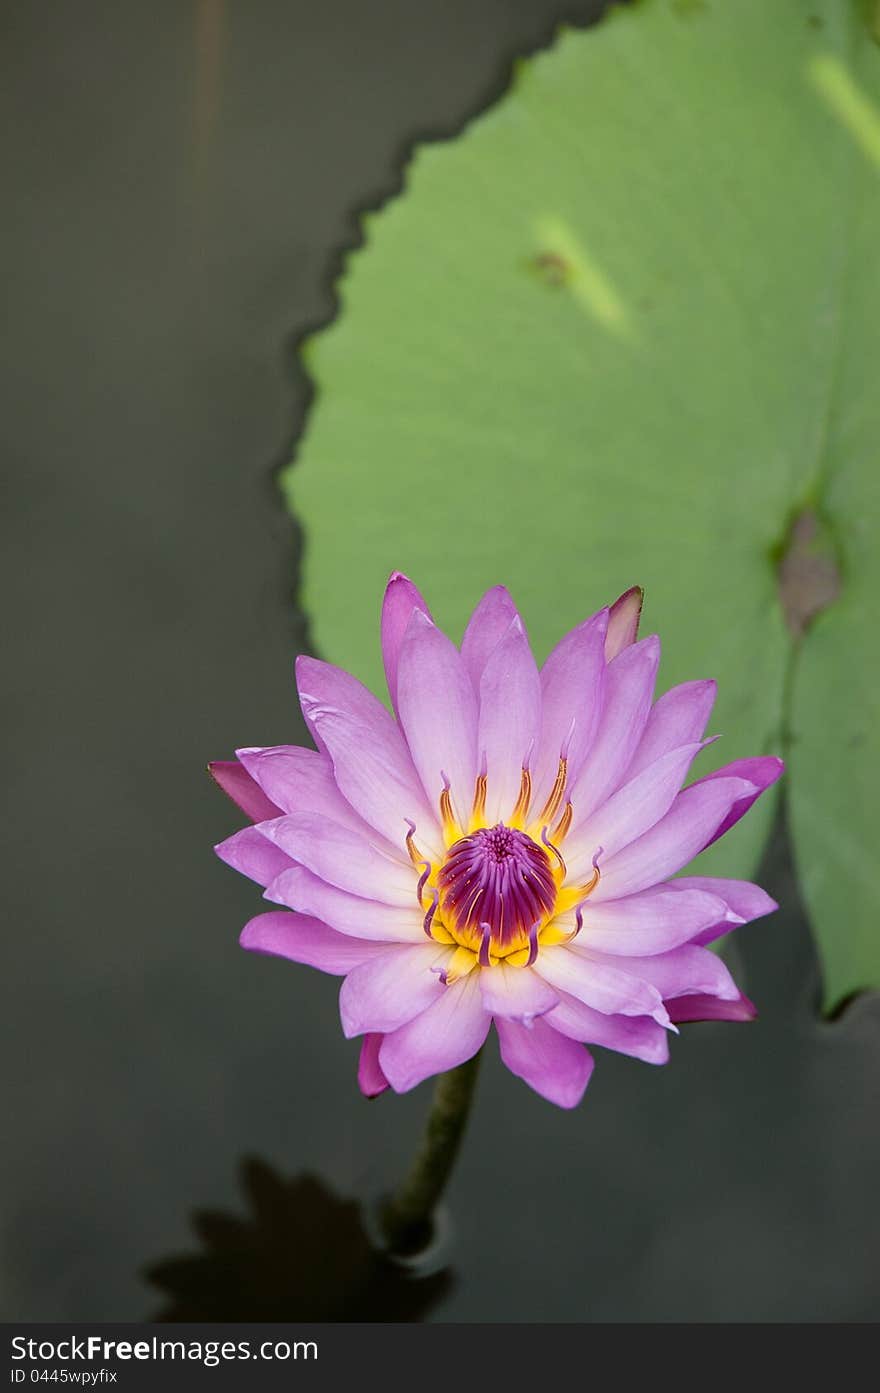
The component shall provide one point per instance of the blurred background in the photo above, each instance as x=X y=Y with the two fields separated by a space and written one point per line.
x=182 y=179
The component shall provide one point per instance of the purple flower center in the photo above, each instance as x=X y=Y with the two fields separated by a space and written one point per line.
x=496 y=878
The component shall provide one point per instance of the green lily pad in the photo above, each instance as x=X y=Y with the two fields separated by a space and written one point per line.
x=619 y=332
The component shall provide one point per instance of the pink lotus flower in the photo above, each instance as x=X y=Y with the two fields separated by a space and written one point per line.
x=501 y=851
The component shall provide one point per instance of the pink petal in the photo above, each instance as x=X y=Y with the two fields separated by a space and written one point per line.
x=682 y=970
x=671 y=842
x=390 y=990
x=709 y=1008
x=677 y=718
x=486 y=628
x=253 y=855
x=371 y=1080
x=371 y=763
x=760 y=772
x=300 y=781
x=623 y=621
x=301 y=890
x=601 y=985
x=572 y=693
x=653 y=921
x=630 y=812
x=509 y=720
x=629 y=688
x=438 y=711
x=638 y=1036
x=448 y=1033
x=516 y=993
x=401 y=598
x=342 y=858
x=744 y=902
x=552 y=1064
x=304 y=940
x=238 y=785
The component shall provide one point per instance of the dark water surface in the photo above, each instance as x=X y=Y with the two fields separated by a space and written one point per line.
x=179 y=181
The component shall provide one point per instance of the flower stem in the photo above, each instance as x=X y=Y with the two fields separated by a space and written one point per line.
x=406 y=1219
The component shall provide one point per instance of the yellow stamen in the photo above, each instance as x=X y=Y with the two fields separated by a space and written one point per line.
x=552 y=935
x=479 y=810
x=563 y=824
x=517 y=817
x=519 y=958
x=592 y=882
x=461 y=963
x=556 y=852
x=573 y=895
x=440 y=933
x=451 y=829
x=551 y=807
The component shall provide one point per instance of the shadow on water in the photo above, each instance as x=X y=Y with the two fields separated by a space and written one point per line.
x=300 y=1253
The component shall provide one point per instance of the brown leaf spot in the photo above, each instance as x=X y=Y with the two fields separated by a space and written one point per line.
x=809 y=578
x=553 y=268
